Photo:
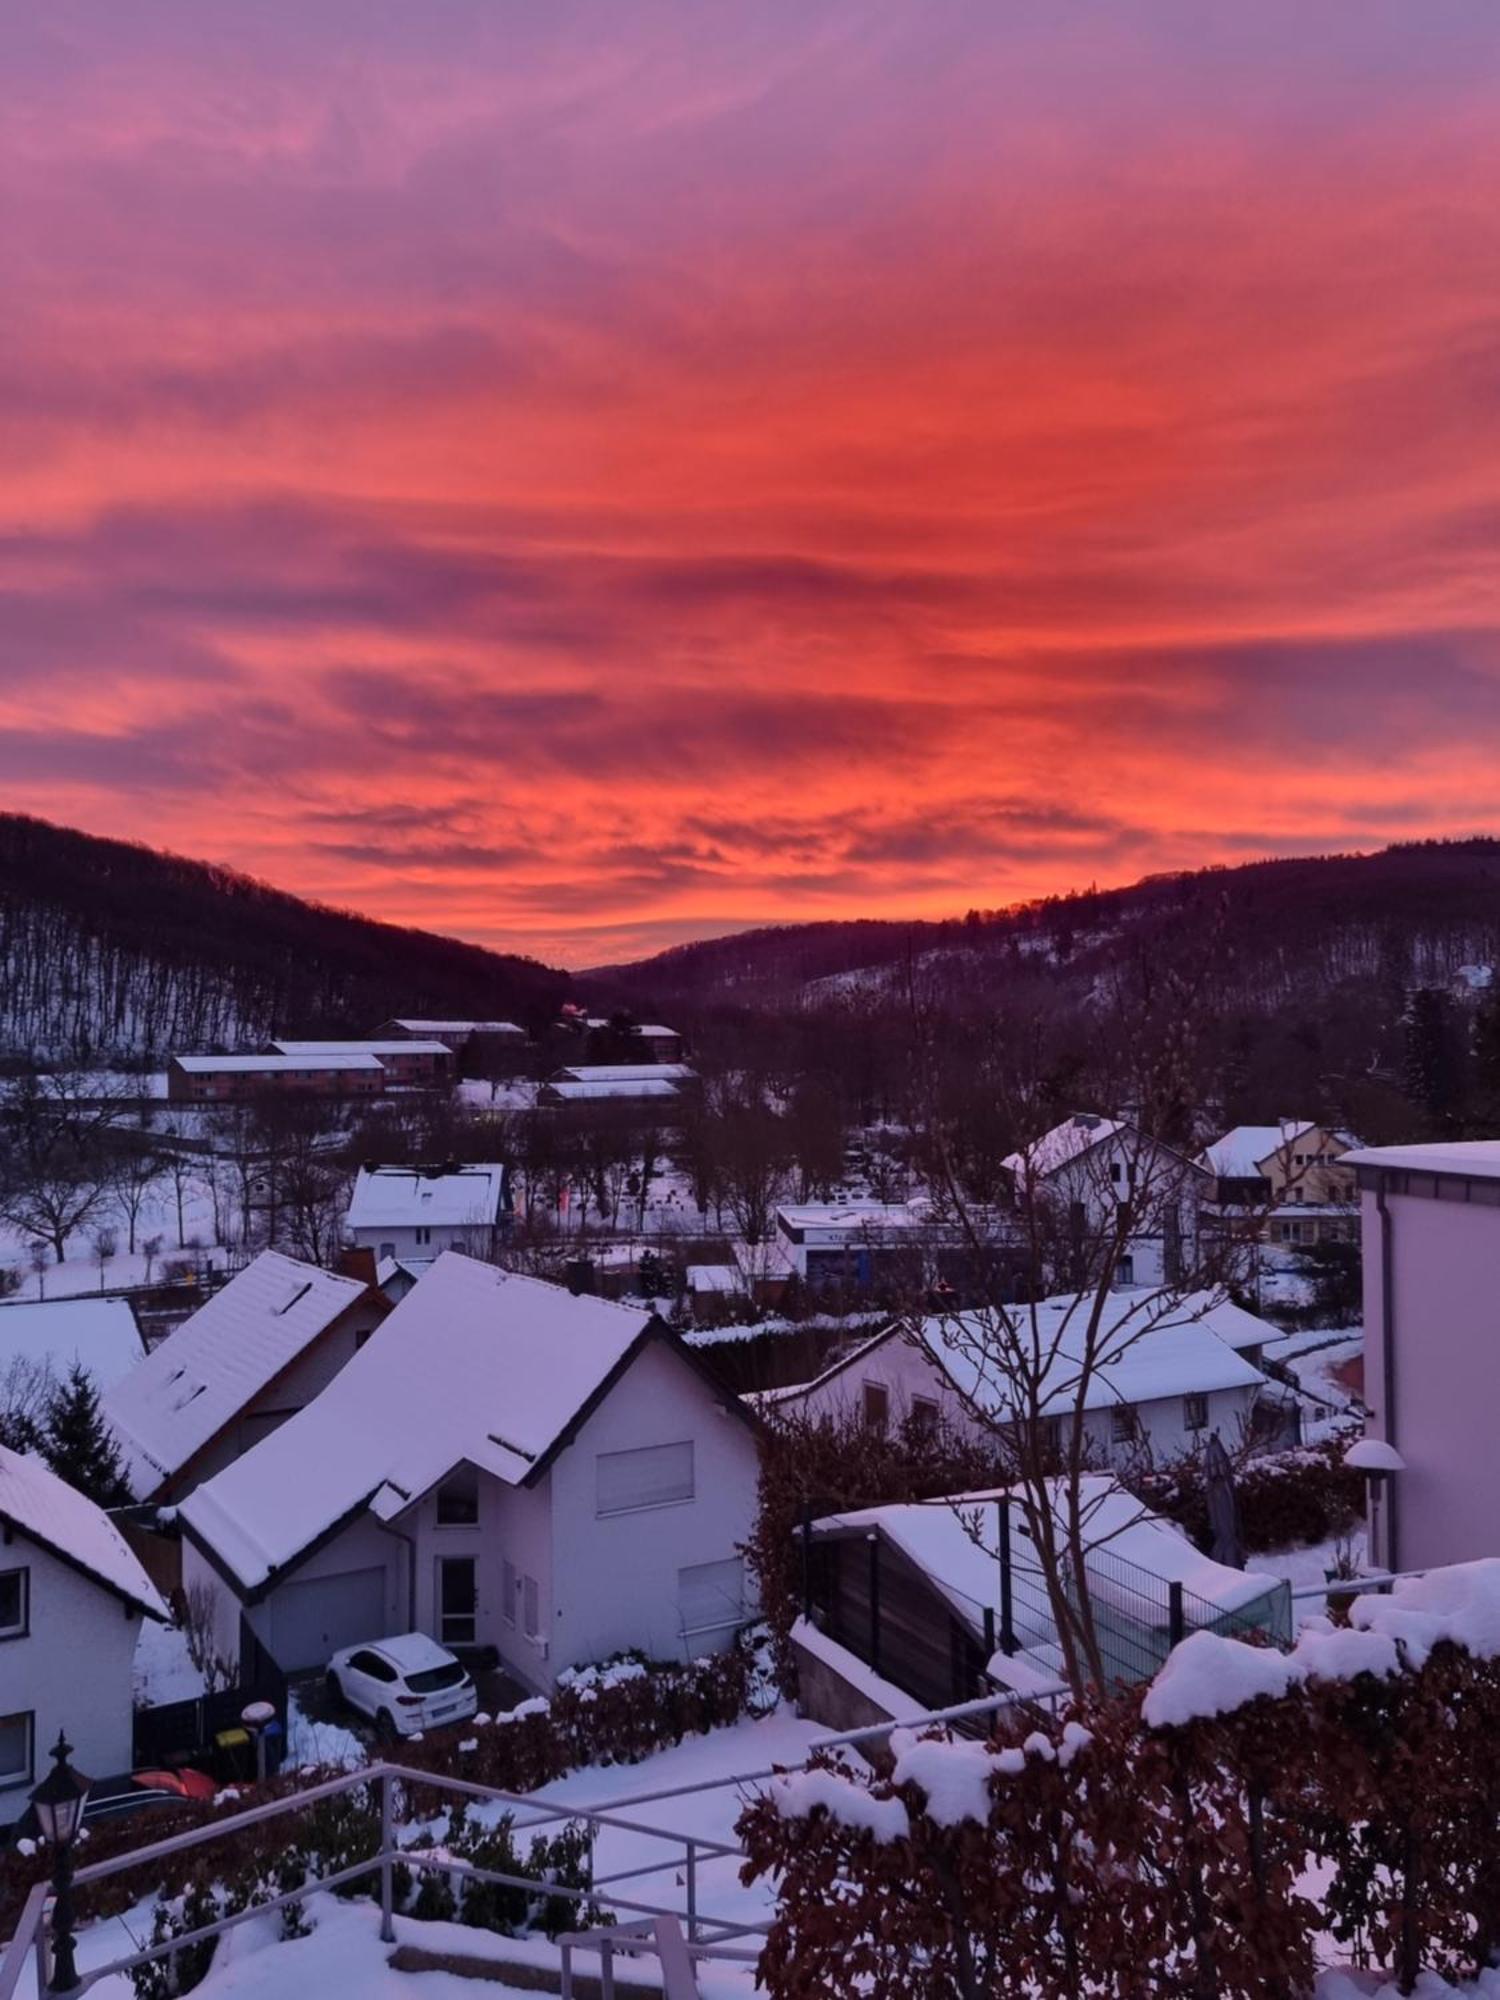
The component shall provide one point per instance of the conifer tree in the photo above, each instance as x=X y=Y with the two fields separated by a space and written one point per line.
x=78 y=1444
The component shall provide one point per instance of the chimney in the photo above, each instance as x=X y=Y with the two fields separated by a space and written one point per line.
x=358 y=1262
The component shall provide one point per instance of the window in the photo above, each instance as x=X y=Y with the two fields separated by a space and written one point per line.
x=15 y=1604
x=1195 y=1413
x=657 y=1475
x=423 y=1235
x=711 y=1596
x=924 y=1415
x=877 y=1406
x=508 y=1588
x=1125 y=1271
x=531 y=1612
x=458 y=1499
x=16 y=1732
x=1122 y=1424
x=371 y=1664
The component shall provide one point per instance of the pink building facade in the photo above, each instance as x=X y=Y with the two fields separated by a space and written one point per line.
x=1431 y=1233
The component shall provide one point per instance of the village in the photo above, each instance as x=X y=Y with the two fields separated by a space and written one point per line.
x=334 y=1460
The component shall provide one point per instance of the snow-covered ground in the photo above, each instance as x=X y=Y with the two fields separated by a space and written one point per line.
x=163 y=1671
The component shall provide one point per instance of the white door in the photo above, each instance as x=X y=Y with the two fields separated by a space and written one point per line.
x=315 y=1616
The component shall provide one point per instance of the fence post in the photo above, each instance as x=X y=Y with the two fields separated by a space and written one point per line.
x=1176 y=1627
x=807 y=1559
x=566 y=1982
x=607 y=1971
x=1007 y=1606
x=692 y=1892
x=873 y=1541
x=387 y=1835
x=43 y=1967
x=989 y=1632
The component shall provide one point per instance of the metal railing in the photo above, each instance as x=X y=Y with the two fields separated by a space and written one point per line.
x=706 y=1934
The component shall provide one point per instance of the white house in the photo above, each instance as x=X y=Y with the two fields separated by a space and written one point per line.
x=1431 y=1235
x=501 y=1464
x=415 y=1212
x=1086 y=1167
x=261 y=1348
x=44 y=1339
x=72 y=1597
x=849 y=1243
x=1165 y=1378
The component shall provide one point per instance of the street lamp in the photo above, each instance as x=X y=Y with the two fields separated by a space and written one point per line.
x=59 y=1810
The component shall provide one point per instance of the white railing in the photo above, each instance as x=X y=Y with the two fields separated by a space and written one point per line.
x=685 y=1851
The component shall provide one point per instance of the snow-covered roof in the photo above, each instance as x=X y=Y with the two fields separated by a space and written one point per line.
x=400 y=1046
x=458 y=1027
x=1063 y=1144
x=572 y=1092
x=100 y=1334
x=655 y=1030
x=1148 y=1347
x=203 y=1374
x=1479 y=1159
x=475 y=1365
x=403 y=1197
x=668 y=1072
x=44 y=1508
x=934 y=1535
x=714 y=1278
x=853 y=1216
x=271 y=1065
x=1238 y=1155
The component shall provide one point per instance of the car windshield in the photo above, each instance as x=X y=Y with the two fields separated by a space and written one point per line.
x=431 y=1679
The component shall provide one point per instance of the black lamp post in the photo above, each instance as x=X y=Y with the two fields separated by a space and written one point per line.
x=59 y=1809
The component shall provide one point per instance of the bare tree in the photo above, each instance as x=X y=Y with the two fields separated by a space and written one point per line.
x=55 y=1166
x=200 y=1634
x=137 y=1173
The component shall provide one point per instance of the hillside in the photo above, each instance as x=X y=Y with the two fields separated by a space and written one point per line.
x=111 y=951
x=1412 y=914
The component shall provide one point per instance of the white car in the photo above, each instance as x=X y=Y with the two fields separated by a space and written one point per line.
x=404 y=1685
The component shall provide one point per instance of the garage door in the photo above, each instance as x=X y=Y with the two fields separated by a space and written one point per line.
x=311 y=1619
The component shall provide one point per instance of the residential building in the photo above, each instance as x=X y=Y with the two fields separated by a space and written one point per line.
x=255 y=1354
x=1431 y=1234
x=1292 y=1176
x=413 y=1213
x=230 y=1079
x=480 y=1048
x=1086 y=1167
x=405 y=1060
x=618 y=1039
x=41 y=1340
x=72 y=1597
x=678 y=1073
x=1163 y=1379
x=851 y=1245
x=573 y=1090
x=501 y=1464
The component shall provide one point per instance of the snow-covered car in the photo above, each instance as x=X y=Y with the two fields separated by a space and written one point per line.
x=403 y=1685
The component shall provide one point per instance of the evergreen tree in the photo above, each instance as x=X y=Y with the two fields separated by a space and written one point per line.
x=78 y=1444
x=1486 y=1047
x=1432 y=1056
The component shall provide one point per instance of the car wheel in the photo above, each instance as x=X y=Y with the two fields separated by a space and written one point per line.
x=385 y=1726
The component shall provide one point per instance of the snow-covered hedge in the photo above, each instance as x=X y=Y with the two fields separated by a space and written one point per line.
x=1216 y=1836
x=1287 y=1499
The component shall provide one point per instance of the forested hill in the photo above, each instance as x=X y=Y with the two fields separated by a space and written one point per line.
x=110 y=950
x=1409 y=915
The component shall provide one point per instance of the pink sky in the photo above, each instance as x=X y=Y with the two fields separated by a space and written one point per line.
x=586 y=476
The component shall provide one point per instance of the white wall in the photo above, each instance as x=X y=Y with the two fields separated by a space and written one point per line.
x=475 y=1238
x=1441 y=1417
x=615 y=1580
x=72 y=1671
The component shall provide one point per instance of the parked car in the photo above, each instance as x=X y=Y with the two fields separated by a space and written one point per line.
x=131 y=1792
x=404 y=1685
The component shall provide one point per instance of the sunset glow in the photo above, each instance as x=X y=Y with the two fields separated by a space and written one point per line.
x=586 y=476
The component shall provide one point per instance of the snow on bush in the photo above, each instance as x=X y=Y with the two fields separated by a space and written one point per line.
x=1210 y=1675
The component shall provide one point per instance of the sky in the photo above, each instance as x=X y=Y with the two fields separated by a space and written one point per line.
x=585 y=476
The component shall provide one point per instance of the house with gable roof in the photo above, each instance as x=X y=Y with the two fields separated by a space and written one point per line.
x=245 y=1362
x=416 y=1212
x=72 y=1597
x=1087 y=1167
x=502 y=1464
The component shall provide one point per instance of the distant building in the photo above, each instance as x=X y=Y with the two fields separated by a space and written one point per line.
x=234 y=1079
x=480 y=1048
x=616 y=1039
x=414 y=1213
x=406 y=1060
x=579 y=1087
x=850 y=1245
x=1164 y=1380
x=1087 y=1167
x=1295 y=1172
